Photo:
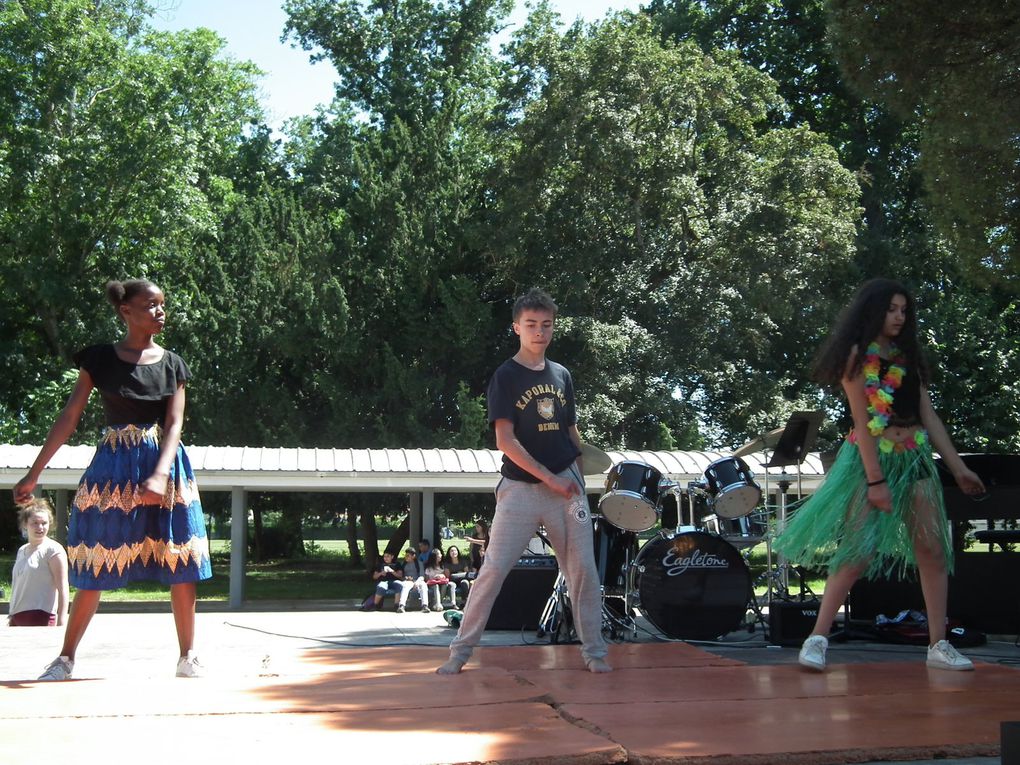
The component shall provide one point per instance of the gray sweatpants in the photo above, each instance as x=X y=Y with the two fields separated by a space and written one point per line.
x=520 y=509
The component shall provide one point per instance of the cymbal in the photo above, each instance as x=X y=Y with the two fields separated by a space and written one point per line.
x=596 y=461
x=764 y=441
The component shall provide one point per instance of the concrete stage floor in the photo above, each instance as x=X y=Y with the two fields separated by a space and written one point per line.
x=284 y=685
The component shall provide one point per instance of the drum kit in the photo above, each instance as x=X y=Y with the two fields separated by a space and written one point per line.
x=691 y=579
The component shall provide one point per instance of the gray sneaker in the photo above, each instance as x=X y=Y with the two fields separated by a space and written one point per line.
x=58 y=669
x=943 y=655
x=812 y=653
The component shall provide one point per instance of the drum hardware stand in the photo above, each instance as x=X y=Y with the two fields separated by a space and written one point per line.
x=557 y=621
x=798 y=436
x=781 y=576
x=628 y=623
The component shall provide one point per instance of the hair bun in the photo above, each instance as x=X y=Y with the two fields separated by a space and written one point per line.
x=115 y=292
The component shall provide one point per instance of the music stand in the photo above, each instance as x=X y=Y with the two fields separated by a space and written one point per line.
x=799 y=435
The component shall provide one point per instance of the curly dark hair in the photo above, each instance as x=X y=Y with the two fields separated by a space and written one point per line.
x=859 y=324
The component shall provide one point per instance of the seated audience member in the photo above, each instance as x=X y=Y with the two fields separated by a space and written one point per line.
x=436 y=579
x=414 y=578
x=424 y=550
x=388 y=578
x=457 y=570
x=480 y=540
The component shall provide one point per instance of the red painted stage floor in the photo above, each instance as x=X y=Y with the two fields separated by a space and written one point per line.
x=284 y=687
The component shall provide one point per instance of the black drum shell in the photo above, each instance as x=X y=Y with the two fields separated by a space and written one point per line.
x=631 y=499
x=734 y=492
x=615 y=550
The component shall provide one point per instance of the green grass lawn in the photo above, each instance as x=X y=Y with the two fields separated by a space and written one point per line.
x=325 y=575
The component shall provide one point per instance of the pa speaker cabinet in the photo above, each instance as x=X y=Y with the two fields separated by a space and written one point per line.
x=984 y=593
x=520 y=603
x=791 y=621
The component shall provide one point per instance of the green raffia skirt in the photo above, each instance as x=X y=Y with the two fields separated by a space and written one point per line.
x=836 y=526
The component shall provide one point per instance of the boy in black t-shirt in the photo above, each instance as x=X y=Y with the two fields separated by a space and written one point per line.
x=531 y=407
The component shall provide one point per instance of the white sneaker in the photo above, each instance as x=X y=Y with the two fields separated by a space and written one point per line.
x=58 y=669
x=812 y=653
x=190 y=666
x=943 y=655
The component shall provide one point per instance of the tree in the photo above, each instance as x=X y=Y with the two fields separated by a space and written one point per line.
x=882 y=143
x=694 y=244
x=112 y=139
x=952 y=69
x=398 y=165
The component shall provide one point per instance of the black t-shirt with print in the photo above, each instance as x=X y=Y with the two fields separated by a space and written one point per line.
x=541 y=406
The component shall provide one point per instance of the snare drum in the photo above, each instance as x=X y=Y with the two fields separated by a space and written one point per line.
x=693 y=586
x=631 y=500
x=743 y=532
x=734 y=492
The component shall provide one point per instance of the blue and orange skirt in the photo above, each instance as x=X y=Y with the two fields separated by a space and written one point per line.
x=113 y=539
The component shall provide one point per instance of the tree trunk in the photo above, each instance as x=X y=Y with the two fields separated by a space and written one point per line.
x=352 y=537
x=370 y=534
x=256 y=541
x=400 y=536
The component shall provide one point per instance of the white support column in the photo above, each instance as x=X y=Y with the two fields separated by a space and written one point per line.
x=238 y=544
x=414 y=527
x=428 y=515
x=60 y=533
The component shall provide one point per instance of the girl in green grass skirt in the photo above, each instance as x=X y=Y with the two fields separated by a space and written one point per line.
x=880 y=509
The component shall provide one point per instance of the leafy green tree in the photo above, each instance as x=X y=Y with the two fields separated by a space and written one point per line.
x=882 y=143
x=112 y=142
x=398 y=165
x=952 y=69
x=693 y=244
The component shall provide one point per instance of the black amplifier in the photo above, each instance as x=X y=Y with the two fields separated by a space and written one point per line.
x=791 y=621
x=536 y=561
x=525 y=591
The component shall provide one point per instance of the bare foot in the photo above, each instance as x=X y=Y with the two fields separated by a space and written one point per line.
x=452 y=667
x=598 y=666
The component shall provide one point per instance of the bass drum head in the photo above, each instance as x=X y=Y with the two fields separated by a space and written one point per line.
x=693 y=586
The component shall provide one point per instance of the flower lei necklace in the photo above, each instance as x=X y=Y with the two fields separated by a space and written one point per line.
x=879 y=390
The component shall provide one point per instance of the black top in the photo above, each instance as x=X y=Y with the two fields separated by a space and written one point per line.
x=395 y=575
x=132 y=393
x=906 y=403
x=541 y=406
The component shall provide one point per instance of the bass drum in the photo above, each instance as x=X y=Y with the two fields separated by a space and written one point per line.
x=693 y=586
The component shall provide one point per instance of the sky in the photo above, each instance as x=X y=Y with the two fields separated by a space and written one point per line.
x=292 y=86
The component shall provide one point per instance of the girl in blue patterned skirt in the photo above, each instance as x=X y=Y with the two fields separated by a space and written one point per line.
x=880 y=508
x=137 y=513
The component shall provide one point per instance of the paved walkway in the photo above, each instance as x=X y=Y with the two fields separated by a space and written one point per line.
x=286 y=684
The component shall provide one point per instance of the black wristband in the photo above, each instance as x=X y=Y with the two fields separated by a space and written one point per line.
x=879 y=482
